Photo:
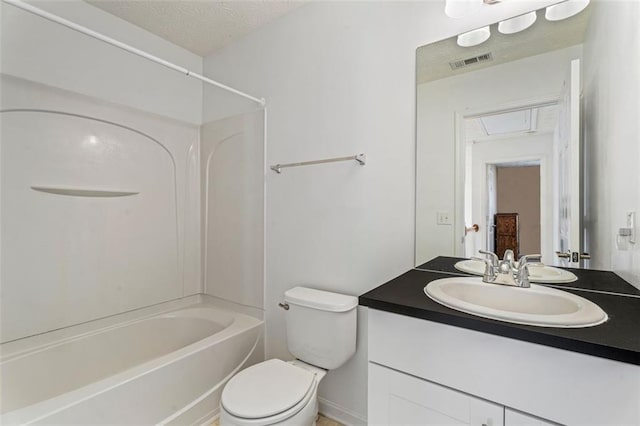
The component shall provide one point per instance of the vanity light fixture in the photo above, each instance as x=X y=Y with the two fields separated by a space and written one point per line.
x=564 y=10
x=517 y=24
x=460 y=8
x=474 y=38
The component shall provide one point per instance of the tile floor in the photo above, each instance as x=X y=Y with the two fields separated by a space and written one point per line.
x=322 y=421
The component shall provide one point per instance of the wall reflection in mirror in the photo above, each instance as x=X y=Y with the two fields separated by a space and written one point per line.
x=533 y=136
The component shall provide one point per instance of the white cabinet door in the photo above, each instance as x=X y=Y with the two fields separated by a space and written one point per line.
x=515 y=418
x=396 y=398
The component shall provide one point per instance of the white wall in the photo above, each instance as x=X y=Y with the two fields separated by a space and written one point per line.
x=339 y=79
x=438 y=103
x=36 y=49
x=612 y=107
x=339 y=227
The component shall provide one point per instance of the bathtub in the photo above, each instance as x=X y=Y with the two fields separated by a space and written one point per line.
x=164 y=367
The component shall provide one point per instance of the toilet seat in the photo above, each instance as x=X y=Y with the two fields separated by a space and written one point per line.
x=268 y=392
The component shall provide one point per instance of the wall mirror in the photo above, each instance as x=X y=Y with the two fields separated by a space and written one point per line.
x=500 y=142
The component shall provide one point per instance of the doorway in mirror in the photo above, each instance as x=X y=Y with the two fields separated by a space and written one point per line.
x=509 y=168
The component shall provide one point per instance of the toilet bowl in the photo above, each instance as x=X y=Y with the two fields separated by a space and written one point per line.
x=273 y=392
x=321 y=334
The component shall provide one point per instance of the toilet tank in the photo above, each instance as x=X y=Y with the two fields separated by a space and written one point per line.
x=321 y=326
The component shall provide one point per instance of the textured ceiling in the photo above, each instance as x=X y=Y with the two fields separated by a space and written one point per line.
x=199 y=26
x=432 y=60
x=546 y=118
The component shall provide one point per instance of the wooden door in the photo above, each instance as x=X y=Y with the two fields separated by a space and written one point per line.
x=507 y=233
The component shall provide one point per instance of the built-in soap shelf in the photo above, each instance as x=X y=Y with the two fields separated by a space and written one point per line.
x=82 y=192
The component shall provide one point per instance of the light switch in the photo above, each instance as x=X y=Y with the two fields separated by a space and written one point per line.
x=444 y=218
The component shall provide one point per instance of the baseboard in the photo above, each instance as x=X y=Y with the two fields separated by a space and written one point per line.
x=340 y=414
x=208 y=418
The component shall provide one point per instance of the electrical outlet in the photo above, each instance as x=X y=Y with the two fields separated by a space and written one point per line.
x=444 y=218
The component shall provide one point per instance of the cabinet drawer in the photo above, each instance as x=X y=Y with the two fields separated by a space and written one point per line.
x=515 y=418
x=396 y=398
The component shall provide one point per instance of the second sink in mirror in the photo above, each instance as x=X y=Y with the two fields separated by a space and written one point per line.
x=537 y=274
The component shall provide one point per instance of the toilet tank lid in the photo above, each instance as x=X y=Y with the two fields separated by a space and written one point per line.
x=320 y=299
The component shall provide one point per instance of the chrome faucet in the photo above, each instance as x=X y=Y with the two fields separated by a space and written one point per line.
x=507 y=271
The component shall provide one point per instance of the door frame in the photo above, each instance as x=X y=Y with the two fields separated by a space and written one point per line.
x=546 y=200
x=546 y=223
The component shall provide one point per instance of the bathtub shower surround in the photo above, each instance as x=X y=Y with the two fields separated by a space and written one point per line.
x=99 y=209
x=130 y=361
x=103 y=320
x=232 y=164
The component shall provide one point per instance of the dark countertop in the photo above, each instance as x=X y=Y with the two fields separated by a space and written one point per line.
x=617 y=339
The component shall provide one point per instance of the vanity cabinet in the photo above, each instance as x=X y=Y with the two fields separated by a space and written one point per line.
x=425 y=372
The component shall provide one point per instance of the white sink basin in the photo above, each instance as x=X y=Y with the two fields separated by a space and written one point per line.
x=537 y=274
x=538 y=305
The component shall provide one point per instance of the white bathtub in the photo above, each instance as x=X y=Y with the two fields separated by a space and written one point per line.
x=160 y=368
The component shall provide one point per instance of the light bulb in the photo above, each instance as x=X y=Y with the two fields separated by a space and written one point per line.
x=517 y=24
x=565 y=10
x=474 y=38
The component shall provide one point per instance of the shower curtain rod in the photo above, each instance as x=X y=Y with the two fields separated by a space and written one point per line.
x=84 y=30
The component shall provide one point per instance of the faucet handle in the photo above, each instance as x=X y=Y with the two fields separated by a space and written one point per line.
x=522 y=276
x=489 y=269
x=492 y=256
x=526 y=259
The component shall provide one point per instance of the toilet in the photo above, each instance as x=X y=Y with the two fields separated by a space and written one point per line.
x=321 y=334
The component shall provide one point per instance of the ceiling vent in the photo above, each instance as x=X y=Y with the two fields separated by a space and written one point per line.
x=470 y=61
